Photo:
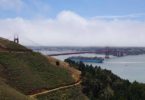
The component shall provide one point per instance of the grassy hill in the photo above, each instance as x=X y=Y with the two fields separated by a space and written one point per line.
x=23 y=73
x=30 y=71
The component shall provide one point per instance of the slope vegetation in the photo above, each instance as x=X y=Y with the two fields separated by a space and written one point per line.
x=9 y=93
x=28 y=72
x=25 y=73
x=102 y=84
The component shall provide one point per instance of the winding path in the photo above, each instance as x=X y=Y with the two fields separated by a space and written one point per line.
x=55 y=89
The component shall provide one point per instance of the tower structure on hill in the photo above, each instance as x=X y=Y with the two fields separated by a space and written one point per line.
x=16 y=39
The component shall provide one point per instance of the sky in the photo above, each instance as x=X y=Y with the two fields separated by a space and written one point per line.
x=74 y=22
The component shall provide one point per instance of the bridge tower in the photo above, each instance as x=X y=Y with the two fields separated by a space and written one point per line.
x=16 y=39
x=120 y=54
x=107 y=53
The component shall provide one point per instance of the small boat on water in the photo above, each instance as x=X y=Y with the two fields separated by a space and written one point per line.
x=87 y=59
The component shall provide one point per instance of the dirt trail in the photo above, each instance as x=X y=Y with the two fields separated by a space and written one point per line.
x=55 y=89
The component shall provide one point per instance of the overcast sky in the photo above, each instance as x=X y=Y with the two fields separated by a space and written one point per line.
x=74 y=22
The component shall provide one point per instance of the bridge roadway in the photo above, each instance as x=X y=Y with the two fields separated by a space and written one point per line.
x=106 y=52
x=83 y=52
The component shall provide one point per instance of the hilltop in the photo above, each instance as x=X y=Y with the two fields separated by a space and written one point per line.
x=24 y=72
x=7 y=45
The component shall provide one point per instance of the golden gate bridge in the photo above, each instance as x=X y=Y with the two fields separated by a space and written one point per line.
x=107 y=51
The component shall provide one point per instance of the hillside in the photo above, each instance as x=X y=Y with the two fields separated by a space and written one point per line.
x=25 y=73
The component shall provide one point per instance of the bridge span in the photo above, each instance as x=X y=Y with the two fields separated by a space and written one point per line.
x=71 y=53
x=106 y=52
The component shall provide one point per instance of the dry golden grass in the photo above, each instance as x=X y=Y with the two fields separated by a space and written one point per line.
x=74 y=72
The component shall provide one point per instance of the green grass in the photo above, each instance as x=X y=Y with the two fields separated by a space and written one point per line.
x=29 y=71
x=9 y=93
x=73 y=93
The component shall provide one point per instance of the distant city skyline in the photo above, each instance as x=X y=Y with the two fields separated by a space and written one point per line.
x=74 y=22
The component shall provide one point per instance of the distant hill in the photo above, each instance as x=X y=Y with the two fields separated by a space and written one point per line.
x=24 y=73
